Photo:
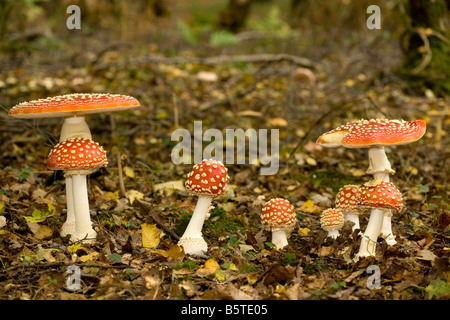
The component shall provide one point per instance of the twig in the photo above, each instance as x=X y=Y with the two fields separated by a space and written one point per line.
x=251 y=58
x=428 y=54
x=147 y=206
x=175 y=111
x=120 y=174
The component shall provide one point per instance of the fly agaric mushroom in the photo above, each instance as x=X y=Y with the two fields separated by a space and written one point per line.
x=379 y=196
x=278 y=216
x=346 y=201
x=78 y=157
x=208 y=180
x=375 y=134
x=73 y=107
x=332 y=220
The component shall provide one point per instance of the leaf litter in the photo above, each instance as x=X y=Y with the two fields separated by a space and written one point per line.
x=136 y=256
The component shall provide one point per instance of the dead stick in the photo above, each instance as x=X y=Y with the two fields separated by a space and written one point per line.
x=250 y=58
x=119 y=169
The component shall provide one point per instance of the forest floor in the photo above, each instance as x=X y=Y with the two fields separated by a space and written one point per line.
x=356 y=81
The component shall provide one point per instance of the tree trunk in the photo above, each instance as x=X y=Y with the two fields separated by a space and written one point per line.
x=427 y=56
x=235 y=15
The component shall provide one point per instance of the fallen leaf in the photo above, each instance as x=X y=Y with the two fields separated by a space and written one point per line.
x=129 y=172
x=40 y=231
x=150 y=236
x=2 y=221
x=169 y=187
x=426 y=254
x=304 y=231
x=89 y=257
x=207 y=76
x=41 y=215
x=210 y=267
x=175 y=252
x=277 y=122
x=133 y=195
x=308 y=206
x=221 y=275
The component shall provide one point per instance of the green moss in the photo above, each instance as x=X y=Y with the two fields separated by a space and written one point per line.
x=332 y=179
x=218 y=223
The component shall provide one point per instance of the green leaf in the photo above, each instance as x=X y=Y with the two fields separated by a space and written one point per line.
x=115 y=257
x=438 y=288
x=271 y=245
x=41 y=215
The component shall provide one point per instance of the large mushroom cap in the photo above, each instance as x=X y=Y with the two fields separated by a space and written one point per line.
x=208 y=178
x=372 y=133
x=278 y=214
x=77 y=154
x=332 y=219
x=378 y=194
x=346 y=198
x=73 y=104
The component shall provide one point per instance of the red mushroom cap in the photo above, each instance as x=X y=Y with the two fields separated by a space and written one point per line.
x=77 y=154
x=374 y=132
x=332 y=219
x=208 y=178
x=278 y=214
x=346 y=198
x=379 y=194
x=73 y=104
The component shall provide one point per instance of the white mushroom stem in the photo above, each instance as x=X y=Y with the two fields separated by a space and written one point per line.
x=72 y=127
x=83 y=226
x=369 y=239
x=378 y=162
x=279 y=238
x=193 y=231
x=69 y=226
x=380 y=168
x=352 y=218
x=333 y=234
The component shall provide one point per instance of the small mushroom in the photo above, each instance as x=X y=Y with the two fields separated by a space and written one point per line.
x=278 y=215
x=78 y=157
x=208 y=180
x=346 y=201
x=378 y=196
x=332 y=220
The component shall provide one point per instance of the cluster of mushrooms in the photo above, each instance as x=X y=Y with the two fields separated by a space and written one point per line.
x=78 y=155
x=378 y=195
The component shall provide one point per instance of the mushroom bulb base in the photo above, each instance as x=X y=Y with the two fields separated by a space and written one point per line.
x=194 y=246
x=67 y=228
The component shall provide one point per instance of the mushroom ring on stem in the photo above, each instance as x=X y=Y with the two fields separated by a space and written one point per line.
x=78 y=157
x=332 y=220
x=379 y=196
x=278 y=215
x=346 y=201
x=73 y=107
x=375 y=134
x=208 y=180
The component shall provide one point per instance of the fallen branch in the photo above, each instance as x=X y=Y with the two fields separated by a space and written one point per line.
x=251 y=58
x=427 y=54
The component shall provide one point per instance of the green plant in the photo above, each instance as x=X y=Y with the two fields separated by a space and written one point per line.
x=290 y=258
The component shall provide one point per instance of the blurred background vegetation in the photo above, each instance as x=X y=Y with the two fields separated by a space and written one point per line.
x=301 y=27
